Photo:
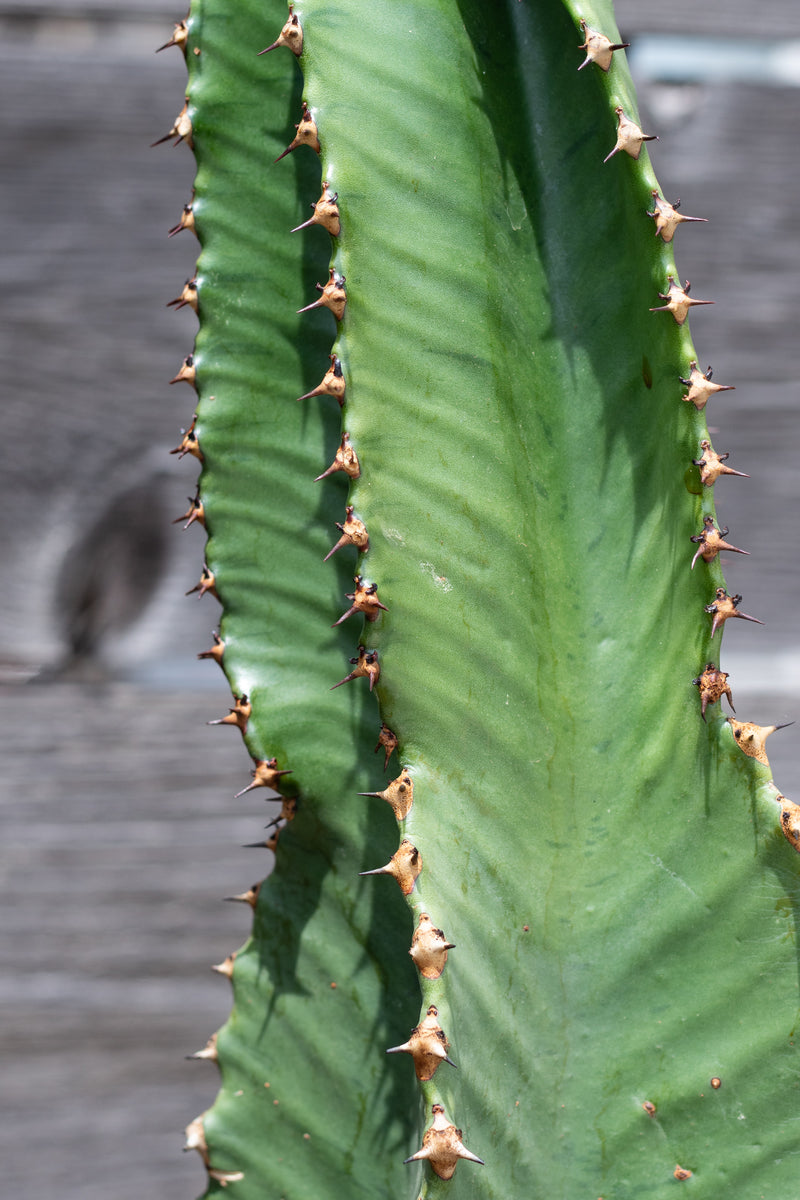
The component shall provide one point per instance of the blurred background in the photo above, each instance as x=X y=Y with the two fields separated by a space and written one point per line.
x=120 y=832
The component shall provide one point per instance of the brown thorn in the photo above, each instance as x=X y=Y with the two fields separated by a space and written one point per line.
x=180 y=35
x=366 y=666
x=181 y=130
x=306 y=135
x=667 y=217
x=429 y=948
x=713 y=686
x=187 y=297
x=629 y=137
x=291 y=35
x=186 y=221
x=333 y=296
x=750 y=738
x=216 y=650
x=326 y=213
x=405 y=866
x=388 y=740
x=206 y=584
x=365 y=600
x=399 y=794
x=700 y=386
x=239 y=715
x=265 y=774
x=195 y=512
x=249 y=897
x=333 y=383
x=442 y=1146
x=678 y=300
x=598 y=48
x=354 y=533
x=724 y=607
x=187 y=372
x=711 y=541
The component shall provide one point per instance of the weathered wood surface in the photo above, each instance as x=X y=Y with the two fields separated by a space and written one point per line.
x=120 y=831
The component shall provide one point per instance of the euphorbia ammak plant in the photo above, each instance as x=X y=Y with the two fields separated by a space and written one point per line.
x=563 y=892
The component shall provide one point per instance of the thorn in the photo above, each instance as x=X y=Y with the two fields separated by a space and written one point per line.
x=365 y=600
x=226 y=966
x=428 y=1045
x=667 y=217
x=333 y=296
x=711 y=541
x=195 y=512
x=209 y=1051
x=346 y=460
x=181 y=130
x=389 y=742
x=750 y=738
x=239 y=715
x=189 y=443
x=223 y=1178
x=399 y=793
x=442 y=1146
x=678 y=300
x=333 y=384
x=306 y=134
x=713 y=686
x=180 y=35
x=429 y=948
x=206 y=584
x=326 y=213
x=354 y=533
x=291 y=35
x=265 y=774
x=598 y=48
x=267 y=844
x=195 y=1134
x=216 y=650
x=724 y=607
x=249 y=897
x=186 y=221
x=365 y=665
x=629 y=137
x=187 y=372
x=712 y=465
x=700 y=386
x=790 y=822
x=404 y=866
x=187 y=296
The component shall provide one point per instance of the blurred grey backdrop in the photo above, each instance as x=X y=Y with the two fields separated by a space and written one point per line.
x=120 y=831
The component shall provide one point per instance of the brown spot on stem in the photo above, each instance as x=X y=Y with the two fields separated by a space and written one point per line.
x=682 y=1173
x=239 y=715
x=725 y=607
x=333 y=296
x=291 y=35
x=354 y=533
x=181 y=130
x=790 y=821
x=713 y=685
x=333 y=384
x=598 y=48
x=442 y=1146
x=701 y=389
x=667 y=217
x=716 y=1083
x=629 y=137
x=429 y=948
x=366 y=665
x=365 y=600
x=404 y=866
x=649 y=1108
x=326 y=213
x=388 y=740
x=306 y=135
x=428 y=1045
x=750 y=738
x=712 y=465
x=399 y=793
x=346 y=460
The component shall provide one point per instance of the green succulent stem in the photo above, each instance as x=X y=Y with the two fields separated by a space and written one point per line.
x=609 y=867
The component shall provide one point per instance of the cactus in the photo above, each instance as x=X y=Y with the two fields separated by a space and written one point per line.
x=586 y=978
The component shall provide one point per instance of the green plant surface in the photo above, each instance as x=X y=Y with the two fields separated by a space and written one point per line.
x=609 y=867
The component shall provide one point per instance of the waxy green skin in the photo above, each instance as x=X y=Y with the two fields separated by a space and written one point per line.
x=609 y=868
